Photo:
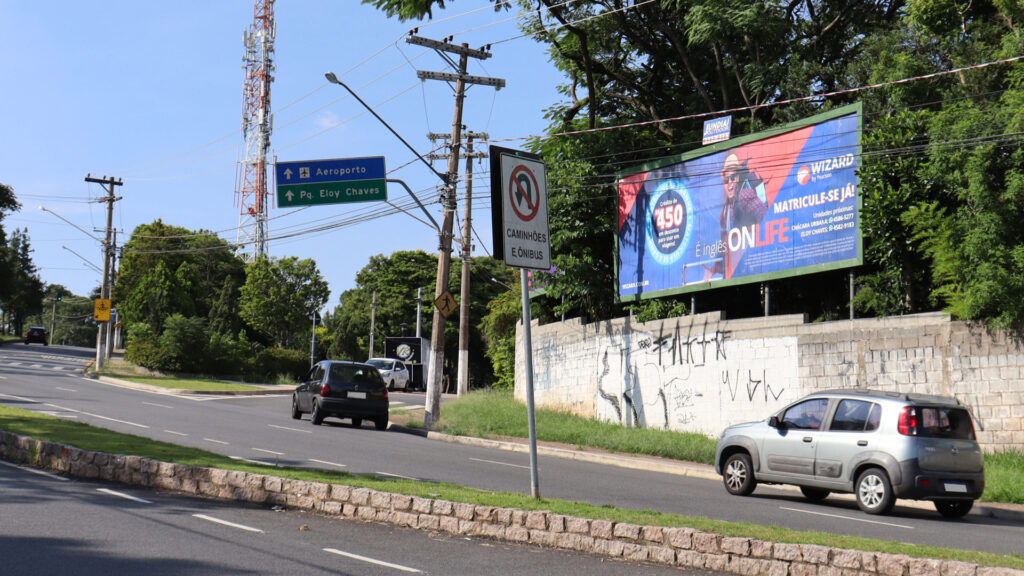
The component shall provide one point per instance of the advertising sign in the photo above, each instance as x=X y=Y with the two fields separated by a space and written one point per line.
x=339 y=181
x=770 y=205
x=717 y=130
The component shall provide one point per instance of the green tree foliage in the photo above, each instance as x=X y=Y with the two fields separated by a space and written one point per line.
x=169 y=270
x=23 y=289
x=279 y=297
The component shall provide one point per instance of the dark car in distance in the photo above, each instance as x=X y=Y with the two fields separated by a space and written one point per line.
x=36 y=334
x=342 y=389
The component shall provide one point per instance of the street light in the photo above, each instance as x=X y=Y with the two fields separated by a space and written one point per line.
x=45 y=209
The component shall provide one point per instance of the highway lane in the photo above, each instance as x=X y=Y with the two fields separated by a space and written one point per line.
x=56 y=526
x=260 y=429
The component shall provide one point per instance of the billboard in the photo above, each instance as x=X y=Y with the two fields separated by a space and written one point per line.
x=770 y=205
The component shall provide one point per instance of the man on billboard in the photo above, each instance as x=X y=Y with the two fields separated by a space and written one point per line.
x=744 y=204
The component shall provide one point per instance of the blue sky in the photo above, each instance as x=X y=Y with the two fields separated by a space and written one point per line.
x=152 y=93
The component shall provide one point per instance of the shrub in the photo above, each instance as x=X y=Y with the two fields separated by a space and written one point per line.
x=272 y=363
x=185 y=344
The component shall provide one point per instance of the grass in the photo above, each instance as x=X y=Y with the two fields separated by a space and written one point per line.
x=46 y=427
x=495 y=413
x=198 y=383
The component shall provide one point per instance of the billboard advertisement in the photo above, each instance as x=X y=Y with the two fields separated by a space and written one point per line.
x=769 y=205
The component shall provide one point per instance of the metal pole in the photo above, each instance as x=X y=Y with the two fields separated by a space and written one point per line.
x=312 y=343
x=851 y=295
x=53 y=319
x=467 y=243
x=528 y=355
x=767 y=298
x=693 y=305
x=419 y=312
x=373 y=320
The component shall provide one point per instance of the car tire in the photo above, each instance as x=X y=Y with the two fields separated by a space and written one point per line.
x=738 y=474
x=954 y=508
x=316 y=414
x=296 y=413
x=381 y=423
x=814 y=494
x=357 y=422
x=874 y=491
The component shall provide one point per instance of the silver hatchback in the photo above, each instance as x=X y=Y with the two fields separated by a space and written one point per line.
x=878 y=445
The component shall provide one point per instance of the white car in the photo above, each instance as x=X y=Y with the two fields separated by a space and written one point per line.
x=394 y=372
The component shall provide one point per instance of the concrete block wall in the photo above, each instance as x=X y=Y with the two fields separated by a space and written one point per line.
x=702 y=373
x=678 y=546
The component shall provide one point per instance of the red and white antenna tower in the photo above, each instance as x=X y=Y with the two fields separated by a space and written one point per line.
x=257 y=124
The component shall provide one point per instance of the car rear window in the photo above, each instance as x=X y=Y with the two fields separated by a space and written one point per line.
x=945 y=422
x=350 y=374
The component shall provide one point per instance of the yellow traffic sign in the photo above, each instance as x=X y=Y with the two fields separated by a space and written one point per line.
x=102 y=311
x=446 y=304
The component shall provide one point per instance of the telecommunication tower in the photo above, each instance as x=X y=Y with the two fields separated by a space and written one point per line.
x=257 y=124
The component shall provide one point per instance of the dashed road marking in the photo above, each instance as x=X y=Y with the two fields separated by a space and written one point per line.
x=158 y=405
x=217 y=441
x=34 y=471
x=226 y=523
x=501 y=463
x=847 y=518
x=97 y=416
x=175 y=433
x=328 y=463
x=269 y=452
x=372 y=560
x=290 y=429
x=395 y=475
x=123 y=495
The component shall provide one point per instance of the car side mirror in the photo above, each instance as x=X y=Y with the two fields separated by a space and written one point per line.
x=774 y=422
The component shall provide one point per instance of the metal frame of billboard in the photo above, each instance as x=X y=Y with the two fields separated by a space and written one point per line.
x=724 y=147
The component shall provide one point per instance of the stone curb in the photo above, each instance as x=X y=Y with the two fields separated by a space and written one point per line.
x=270 y=389
x=684 y=547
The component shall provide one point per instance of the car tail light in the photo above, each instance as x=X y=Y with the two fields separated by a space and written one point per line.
x=325 y=389
x=908 y=421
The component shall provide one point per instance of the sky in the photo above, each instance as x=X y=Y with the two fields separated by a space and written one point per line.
x=151 y=93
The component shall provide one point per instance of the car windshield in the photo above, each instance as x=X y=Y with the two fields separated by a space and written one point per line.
x=377 y=363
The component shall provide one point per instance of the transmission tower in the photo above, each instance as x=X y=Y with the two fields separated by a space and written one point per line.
x=257 y=124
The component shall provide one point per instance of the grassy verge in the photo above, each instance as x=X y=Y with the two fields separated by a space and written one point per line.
x=45 y=427
x=201 y=384
x=495 y=413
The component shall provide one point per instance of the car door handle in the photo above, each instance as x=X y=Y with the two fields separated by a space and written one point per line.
x=862 y=442
x=808 y=438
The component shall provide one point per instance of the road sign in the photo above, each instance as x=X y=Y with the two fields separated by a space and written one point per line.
x=101 y=312
x=519 y=218
x=338 y=181
x=446 y=304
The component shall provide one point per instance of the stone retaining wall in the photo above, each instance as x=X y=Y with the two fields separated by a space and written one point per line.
x=674 y=546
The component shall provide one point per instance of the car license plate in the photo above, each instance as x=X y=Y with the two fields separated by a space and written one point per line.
x=362 y=395
x=956 y=487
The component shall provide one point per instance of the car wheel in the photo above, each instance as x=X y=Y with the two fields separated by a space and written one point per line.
x=296 y=413
x=317 y=414
x=738 y=474
x=357 y=422
x=381 y=423
x=953 y=508
x=874 y=491
x=814 y=494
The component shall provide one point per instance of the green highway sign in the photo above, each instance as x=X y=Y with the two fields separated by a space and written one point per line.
x=343 y=180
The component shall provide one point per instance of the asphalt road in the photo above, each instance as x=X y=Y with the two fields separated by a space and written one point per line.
x=52 y=525
x=260 y=429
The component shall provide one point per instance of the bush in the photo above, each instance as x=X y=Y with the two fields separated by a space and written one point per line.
x=185 y=344
x=142 y=347
x=272 y=363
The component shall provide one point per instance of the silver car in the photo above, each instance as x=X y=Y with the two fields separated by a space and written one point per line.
x=878 y=445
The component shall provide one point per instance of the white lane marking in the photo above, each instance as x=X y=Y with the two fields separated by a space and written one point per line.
x=269 y=452
x=328 y=463
x=123 y=495
x=14 y=363
x=23 y=399
x=34 y=471
x=395 y=475
x=372 y=560
x=66 y=389
x=216 y=441
x=290 y=429
x=226 y=523
x=158 y=405
x=175 y=433
x=57 y=367
x=251 y=461
x=97 y=416
x=36 y=366
x=847 y=518
x=502 y=463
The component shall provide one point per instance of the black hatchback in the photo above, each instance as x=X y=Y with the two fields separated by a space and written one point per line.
x=342 y=389
x=36 y=334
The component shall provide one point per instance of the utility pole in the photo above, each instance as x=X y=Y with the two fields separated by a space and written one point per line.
x=433 y=397
x=373 y=321
x=467 y=246
x=108 y=258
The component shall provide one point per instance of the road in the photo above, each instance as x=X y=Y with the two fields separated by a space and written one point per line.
x=52 y=525
x=260 y=429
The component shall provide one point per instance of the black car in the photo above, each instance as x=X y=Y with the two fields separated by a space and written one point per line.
x=36 y=334
x=342 y=389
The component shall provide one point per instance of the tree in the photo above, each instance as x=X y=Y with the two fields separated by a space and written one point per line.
x=279 y=297
x=23 y=293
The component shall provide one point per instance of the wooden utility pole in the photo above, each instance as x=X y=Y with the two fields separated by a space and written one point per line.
x=435 y=370
x=467 y=245
x=108 y=259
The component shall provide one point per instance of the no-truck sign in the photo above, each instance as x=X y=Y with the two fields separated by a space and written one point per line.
x=519 y=218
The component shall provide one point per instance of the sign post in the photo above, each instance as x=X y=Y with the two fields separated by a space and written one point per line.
x=519 y=220
x=343 y=180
